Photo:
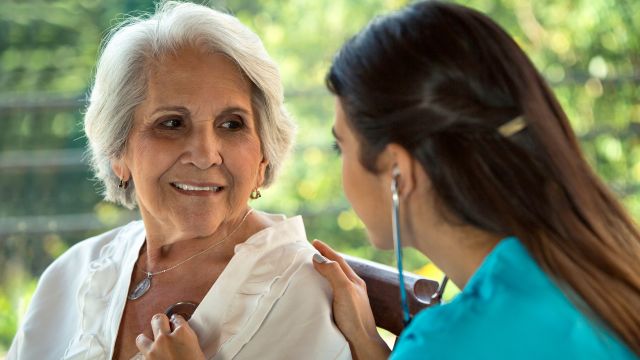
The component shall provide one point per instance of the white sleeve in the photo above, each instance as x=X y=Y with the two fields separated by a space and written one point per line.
x=49 y=321
x=16 y=345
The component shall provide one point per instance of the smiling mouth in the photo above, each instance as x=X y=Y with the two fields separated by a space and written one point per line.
x=187 y=187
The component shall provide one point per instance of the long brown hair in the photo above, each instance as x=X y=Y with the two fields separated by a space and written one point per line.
x=440 y=79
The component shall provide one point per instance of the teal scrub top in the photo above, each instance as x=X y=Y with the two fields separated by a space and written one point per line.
x=510 y=309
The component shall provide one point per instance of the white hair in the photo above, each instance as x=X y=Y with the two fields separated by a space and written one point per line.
x=121 y=83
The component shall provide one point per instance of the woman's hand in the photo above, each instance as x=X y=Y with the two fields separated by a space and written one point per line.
x=181 y=343
x=351 y=309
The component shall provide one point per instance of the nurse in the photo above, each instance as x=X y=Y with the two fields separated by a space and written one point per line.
x=441 y=117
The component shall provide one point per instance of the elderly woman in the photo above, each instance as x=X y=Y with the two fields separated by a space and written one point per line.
x=186 y=122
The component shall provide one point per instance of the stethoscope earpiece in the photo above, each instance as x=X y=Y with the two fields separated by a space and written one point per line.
x=397 y=243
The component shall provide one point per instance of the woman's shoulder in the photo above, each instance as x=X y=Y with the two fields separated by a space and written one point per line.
x=288 y=253
x=287 y=228
x=282 y=241
x=278 y=298
x=280 y=250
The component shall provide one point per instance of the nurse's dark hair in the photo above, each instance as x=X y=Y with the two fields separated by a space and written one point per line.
x=440 y=79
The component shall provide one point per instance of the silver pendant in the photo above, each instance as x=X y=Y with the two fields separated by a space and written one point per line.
x=141 y=288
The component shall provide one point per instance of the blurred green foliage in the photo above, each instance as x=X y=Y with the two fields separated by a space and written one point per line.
x=588 y=50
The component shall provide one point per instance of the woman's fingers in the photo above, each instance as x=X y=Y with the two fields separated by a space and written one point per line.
x=332 y=271
x=143 y=343
x=351 y=309
x=160 y=325
x=331 y=254
x=179 y=343
x=326 y=250
x=177 y=321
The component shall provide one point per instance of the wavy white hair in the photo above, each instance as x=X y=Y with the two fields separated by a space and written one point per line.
x=120 y=83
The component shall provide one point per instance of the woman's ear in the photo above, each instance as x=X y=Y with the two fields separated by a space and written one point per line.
x=120 y=168
x=399 y=163
x=262 y=169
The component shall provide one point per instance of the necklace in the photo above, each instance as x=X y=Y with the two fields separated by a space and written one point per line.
x=144 y=285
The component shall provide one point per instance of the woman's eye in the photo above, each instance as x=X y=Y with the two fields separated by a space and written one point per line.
x=172 y=123
x=233 y=123
x=336 y=148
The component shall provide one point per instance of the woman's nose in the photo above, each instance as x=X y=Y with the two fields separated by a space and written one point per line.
x=203 y=149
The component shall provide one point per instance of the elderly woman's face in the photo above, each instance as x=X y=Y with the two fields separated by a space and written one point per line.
x=194 y=153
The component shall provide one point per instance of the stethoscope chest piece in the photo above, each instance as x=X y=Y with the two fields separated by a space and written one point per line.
x=182 y=308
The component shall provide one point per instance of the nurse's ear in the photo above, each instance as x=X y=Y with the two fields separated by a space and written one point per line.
x=396 y=161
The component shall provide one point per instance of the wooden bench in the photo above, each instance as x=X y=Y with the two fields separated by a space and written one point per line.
x=384 y=292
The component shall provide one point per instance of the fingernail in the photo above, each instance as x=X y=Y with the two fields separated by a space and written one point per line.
x=157 y=316
x=320 y=259
x=139 y=338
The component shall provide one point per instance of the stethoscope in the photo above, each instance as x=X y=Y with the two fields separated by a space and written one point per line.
x=397 y=247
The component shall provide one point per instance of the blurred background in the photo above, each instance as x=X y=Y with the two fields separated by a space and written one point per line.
x=589 y=50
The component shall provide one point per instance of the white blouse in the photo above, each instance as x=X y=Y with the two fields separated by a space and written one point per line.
x=268 y=303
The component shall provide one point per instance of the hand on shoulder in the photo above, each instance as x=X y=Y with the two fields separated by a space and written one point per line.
x=351 y=308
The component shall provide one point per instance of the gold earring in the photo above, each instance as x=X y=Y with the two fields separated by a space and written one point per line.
x=255 y=194
x=123 y=184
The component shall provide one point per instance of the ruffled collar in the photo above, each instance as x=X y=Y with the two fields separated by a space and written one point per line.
x=102 y=294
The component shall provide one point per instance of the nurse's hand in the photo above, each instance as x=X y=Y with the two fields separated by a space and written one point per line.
x=351 y=309
x=181 y=343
